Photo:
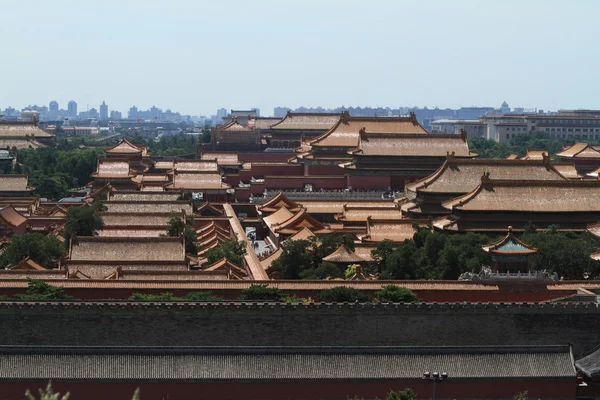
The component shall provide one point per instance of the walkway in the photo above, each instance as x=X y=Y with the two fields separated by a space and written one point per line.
x=256 y=269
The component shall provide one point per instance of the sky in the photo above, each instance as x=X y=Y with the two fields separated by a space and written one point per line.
x=194 y=56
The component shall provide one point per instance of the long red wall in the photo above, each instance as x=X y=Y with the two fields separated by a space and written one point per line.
x=307 y=390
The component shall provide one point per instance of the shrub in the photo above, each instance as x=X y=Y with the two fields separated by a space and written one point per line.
x=40 y=290
x=342 y=294
x=396 y=294
x=261 y=292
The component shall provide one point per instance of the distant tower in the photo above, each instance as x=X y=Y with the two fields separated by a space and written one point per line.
x=103 y=112
x=505 y=108
x=53 y=109
x=72 y=109
x=133 y=113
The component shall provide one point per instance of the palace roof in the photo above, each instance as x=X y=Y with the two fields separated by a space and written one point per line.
x=168 y=275
x=224 y=265
x=363 y=250
x=463 y=175
x=10 y=130
x=529 y=196
x=148 y=207
x=151 y=178
x=278 y=217
x=125 y=147
x=302 y=219
x=263 y=122
x=221 y=158
x=589 y=365
x=135 y=196
x=197 y=180
x=579 y=150
x=117 y=249
x=337 y=206
x=231 y=364
x=11 y=217
x=234 y=126
x=211 y=227
x=195 y=165
x=398 y=231
x=354 y=213
x=412 y=145
x=304 y=234
x=133 y=231
x=14 y=183
x=594 y=229
x=278 y=201
x=208 y=209
x=509 y=244
x=267 y=261
x=535 y=154
x=343 y=255
x=567 y=170
x=307 y=121
x=346 y=132
x=28 y=264
x=113 y=168
x=136 y=219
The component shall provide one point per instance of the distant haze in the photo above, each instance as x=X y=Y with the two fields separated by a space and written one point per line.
x=196 y=56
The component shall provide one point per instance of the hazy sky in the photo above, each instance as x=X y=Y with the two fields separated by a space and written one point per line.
x=195 y=56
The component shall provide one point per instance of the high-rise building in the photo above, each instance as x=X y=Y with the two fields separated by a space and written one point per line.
x=221 y=113
x=72 y=109
x=53 y=110
x=133 y=113
x=115 y=115
x=103 y=111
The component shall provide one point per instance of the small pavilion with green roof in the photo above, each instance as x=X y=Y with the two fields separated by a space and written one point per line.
x=509 y=254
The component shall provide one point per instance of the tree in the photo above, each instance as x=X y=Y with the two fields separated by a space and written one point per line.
x=396 y=294
x=341 y=294
x=521 y=396
x=47 y=394
x=261 y=292
x=296 y=258
x=82 y=221
x=45 y=250
x=406 y=394
x=40 y=290
x=178 y=227
x=231 y=249
x=382 y=252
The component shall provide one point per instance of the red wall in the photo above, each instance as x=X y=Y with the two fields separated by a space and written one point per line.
x=274 y=183
x=265 y=157
x=370 y=182
x=325 y=170
x=280 y=390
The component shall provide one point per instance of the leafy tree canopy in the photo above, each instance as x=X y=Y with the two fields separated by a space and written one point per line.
x=45 y=250
x=396 y=294
x=342 y=294
x=231 y=249
x=261 y=292
x=40 y=290
x=178 y=227
x=83 y=221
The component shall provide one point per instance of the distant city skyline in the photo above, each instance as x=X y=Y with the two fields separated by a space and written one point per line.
x=197 y=56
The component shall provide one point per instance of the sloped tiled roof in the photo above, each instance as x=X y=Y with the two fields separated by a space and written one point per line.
x=234 y=126
x=136 y=219
x=463 y=175
x=307 y=121
x=509 y=244
x=113 y=168
x=6 y=142
x=439 y=145
x=530 y=196
x=353 y=213
x=195 y=166
x=147 y=207
x=302 y=219
x=22 y=129
x=222 y=158
x=127 y=249
x=28 y=264
x=346 y=132
x=287 y=364
x=567 y=170
x=11 y=216
x=535 y=154
x=125 y=147
x=197 y=180
x=343 y=255
x=278 y=201
x=14 y=183
x=379 y=230
x=144 y=196
x=278 y=217
x=579 y=150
